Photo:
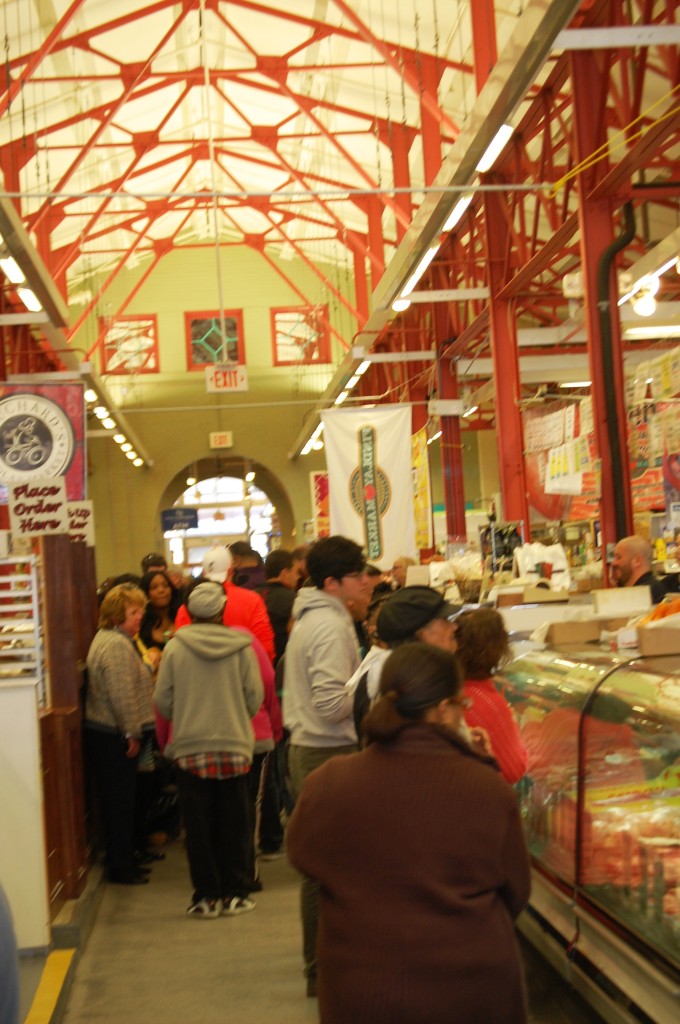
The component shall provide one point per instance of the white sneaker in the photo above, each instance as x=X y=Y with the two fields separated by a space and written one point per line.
x=205 y=909
x=238 y=905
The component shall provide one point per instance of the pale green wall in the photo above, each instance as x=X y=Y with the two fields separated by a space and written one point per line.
x=172 y=414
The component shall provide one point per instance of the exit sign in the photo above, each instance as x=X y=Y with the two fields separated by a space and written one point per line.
x=221 y=439
x=225 y=377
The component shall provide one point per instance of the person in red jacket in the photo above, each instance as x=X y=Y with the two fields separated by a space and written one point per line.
x=243 y=607
x=483 y=647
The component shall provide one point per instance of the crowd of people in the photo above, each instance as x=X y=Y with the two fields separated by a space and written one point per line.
x=311 y=700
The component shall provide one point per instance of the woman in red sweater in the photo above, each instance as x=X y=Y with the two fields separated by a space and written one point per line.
x=484 y=647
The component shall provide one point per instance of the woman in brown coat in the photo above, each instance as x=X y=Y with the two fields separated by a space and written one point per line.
x=417 y=845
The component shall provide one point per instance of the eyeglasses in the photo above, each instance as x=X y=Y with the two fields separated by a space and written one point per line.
x=463 y=702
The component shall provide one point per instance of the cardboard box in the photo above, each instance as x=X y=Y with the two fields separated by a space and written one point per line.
x=576 y=632
x=622 y=601
x=658 y=639
x=540 y=595
x=508 y=599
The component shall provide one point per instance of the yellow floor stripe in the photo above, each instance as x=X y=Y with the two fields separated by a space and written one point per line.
x=51 y=984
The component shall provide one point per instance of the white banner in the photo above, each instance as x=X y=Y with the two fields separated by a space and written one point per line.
x=370 y=475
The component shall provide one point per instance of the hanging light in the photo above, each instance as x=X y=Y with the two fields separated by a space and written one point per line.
x=644 y=303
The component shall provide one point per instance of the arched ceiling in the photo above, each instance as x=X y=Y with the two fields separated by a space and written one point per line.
x=129 y=126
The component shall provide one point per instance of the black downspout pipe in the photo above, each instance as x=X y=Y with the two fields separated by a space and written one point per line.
x=605 y=317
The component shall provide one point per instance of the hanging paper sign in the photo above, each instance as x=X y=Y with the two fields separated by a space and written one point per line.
x=225 y=377
x=38 y=507
x=81 y=521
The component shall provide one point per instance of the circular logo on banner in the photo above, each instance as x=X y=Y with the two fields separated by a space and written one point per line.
x=36 y=438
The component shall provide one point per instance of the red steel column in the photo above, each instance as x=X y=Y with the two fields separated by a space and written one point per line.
x=505 y=367
x=589 y=84
x=483 y=39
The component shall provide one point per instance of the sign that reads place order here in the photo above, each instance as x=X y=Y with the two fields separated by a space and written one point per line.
x=225 y=377
x=38 y=507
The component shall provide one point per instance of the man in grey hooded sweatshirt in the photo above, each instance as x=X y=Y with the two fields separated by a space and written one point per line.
x=209 y=687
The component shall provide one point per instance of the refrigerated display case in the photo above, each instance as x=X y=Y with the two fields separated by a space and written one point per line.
x=601 y=808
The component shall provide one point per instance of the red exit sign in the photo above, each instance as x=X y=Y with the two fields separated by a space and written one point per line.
x=226 y=377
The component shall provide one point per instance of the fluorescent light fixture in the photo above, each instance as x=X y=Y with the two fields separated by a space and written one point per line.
x=434 y=437
x=29 y=299
x=250 y=477
x=108 y=423
x=399 y=305
x=119 y=438
x=12 y=270
x=458 y=211
x=91 y=395
x=576 y=384
x=318 y=445
x=341 y=398
x=658 y=331
x=419 y=271
x=469 y=412
x=362 y=367
x=495 y=148
x=352 y=382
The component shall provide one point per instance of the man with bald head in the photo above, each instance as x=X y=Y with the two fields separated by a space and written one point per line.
x=632 y=567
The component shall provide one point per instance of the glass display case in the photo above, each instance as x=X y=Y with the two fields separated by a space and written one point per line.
x=601 y=808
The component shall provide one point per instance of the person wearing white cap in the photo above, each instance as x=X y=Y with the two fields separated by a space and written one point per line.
x=243 y=607
x=209 y=686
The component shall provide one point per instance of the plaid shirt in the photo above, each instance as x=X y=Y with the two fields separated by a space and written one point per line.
x=214 y=765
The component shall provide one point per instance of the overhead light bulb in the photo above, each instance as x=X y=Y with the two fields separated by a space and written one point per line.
x=131 y=455
x=138 y=461
x=191 y=480
x=318 y=445
x=399 y=305
x=91 y=395
x=101 y=412
x=108 y=423
x=119 y=438
x=127 y=447
x=250 y=476
x=644 y=303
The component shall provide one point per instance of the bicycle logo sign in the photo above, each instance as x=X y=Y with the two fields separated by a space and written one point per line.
x=36 y=438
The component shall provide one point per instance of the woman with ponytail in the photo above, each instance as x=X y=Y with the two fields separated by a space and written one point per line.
x=417 y=846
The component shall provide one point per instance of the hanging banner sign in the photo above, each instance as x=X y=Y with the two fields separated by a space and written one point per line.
x=319 y=485
x=38 y=507
x=179 y=519
x=81 y=521
x=225 y=377
x=42 y=434
x=368 y=454
x=422 y=491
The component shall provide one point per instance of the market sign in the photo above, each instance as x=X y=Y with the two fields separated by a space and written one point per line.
x=179 y=519
x=81 y=521
x=38 y=507
x=225 y=377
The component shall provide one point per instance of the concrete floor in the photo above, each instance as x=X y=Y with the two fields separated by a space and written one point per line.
x=145 y=961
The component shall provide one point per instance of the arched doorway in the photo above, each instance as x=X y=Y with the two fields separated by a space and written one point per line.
x=234 y=500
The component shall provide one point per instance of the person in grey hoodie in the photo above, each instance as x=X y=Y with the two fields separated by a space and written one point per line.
x=209 y=687
x=322 y=654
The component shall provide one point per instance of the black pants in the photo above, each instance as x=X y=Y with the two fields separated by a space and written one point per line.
x=115 y=778
x=274 y=799
x=216 y=818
